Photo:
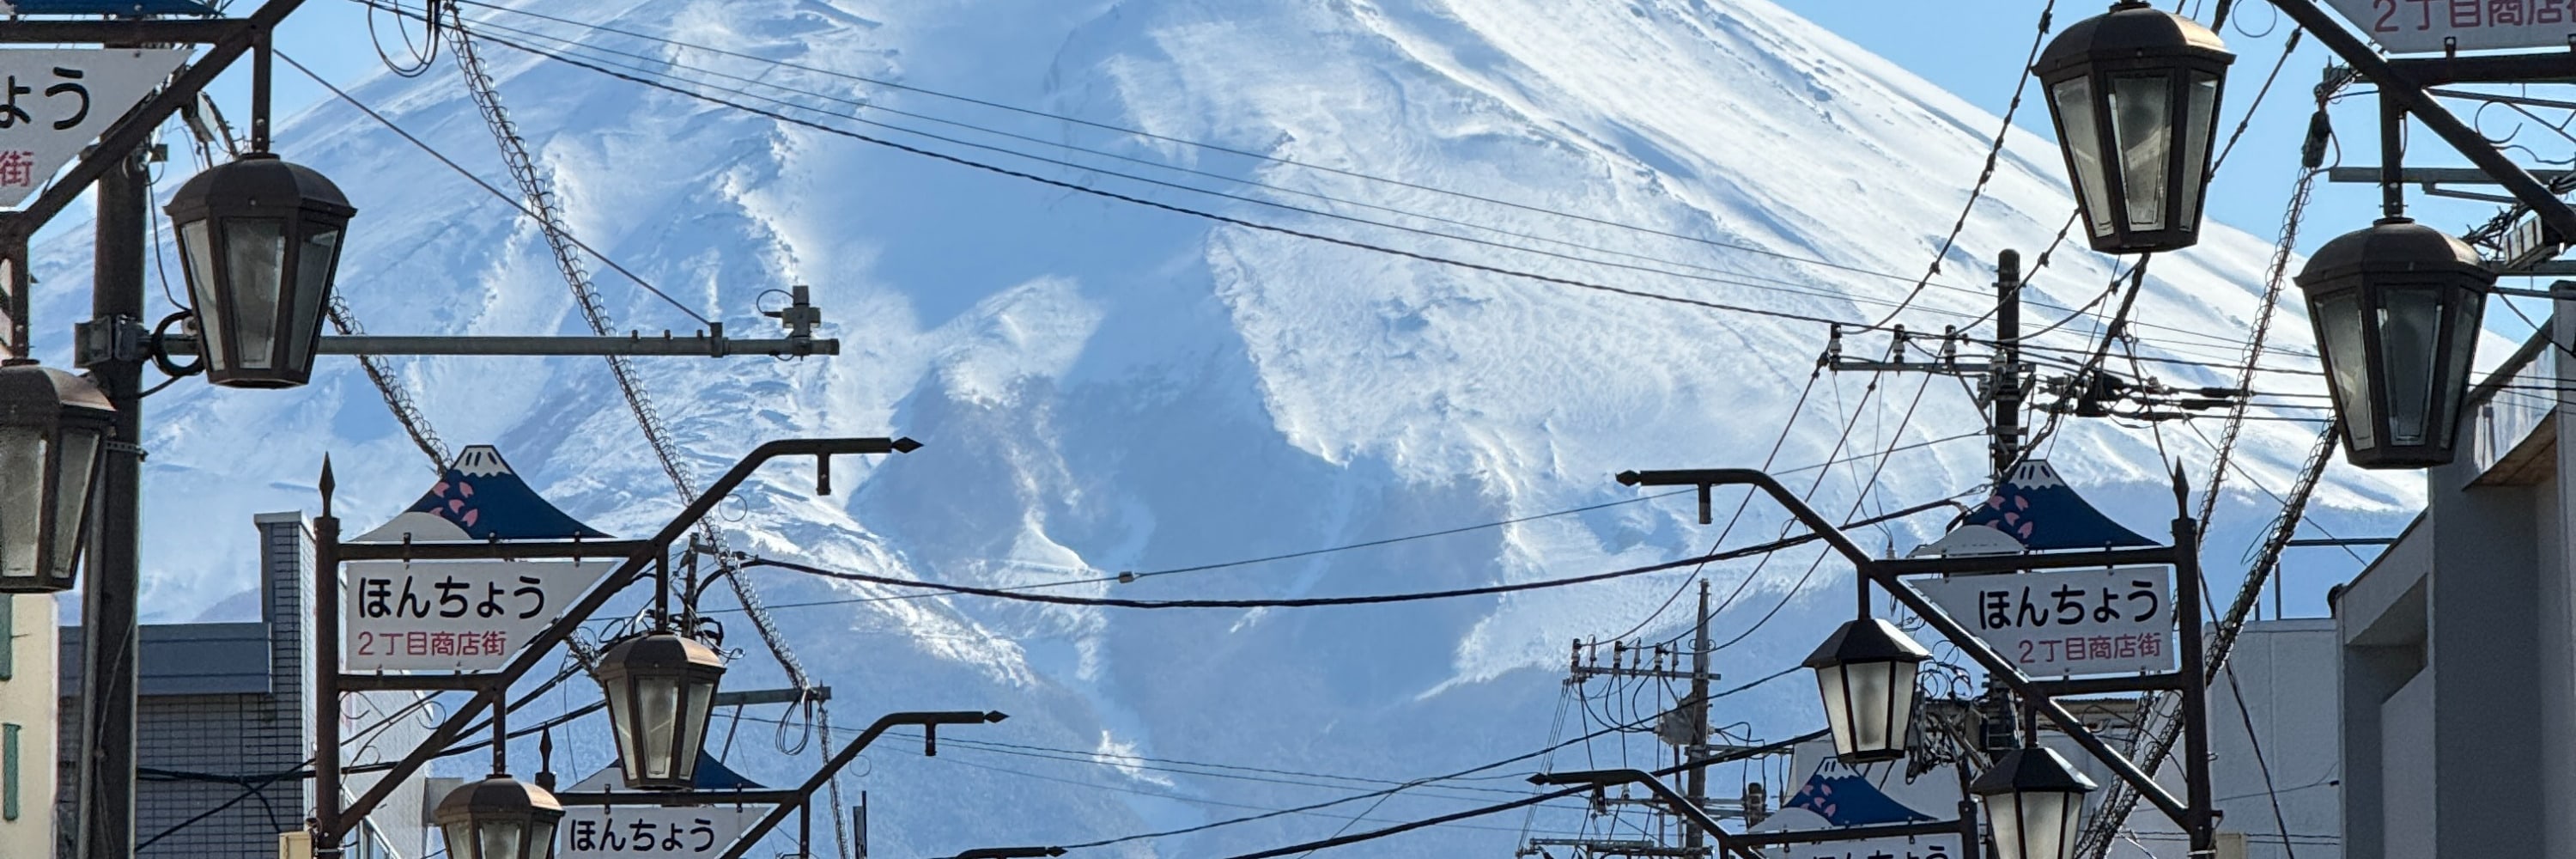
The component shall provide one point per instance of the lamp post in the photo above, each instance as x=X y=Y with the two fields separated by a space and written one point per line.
x=499 y=818
x=661 y=688
x=53 y=426
x=1865 y=672
x=260 y=238
x=2396 y=309
x=2134 y=93
x=2034 y=804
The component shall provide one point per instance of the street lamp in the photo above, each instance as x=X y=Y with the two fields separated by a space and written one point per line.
x=499 y=818
x=2396 y=309
x=2033 y=803
x=661 y=689
x=261 y=241
x=1866 y=674
x=2134 y=93
x=52 y=427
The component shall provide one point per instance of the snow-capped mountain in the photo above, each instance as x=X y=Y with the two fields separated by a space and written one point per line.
x=1109 y=386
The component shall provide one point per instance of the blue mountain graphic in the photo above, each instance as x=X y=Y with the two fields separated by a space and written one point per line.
x=2040 y=510
x=483 y=496
x=1850 y=800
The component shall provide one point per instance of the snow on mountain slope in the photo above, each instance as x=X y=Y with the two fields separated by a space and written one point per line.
x=1105 y=386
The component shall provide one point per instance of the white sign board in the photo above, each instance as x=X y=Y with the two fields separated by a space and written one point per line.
x=1832 y=795
x=2066 y=622
x=53 y=101
x=616 y=832
x=453 y=615
x=2434 y=26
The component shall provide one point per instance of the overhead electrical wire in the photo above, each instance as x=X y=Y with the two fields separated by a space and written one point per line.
x=629 y=74
x=496 y=192
x=750 y=561
x=1995 y=151
x=1469 y=814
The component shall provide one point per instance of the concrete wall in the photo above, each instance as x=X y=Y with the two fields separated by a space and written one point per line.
x=27 y=724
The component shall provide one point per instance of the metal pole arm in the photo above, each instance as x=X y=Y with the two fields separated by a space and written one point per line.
x=2409 y=94
x=1681 y=804
x=1009 y=853
x=1959 y=635
x=448 y=732
x=929 y=723
x=711 y=346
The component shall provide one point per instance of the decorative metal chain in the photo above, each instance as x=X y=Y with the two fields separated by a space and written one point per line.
x=397 y=398
x=840 y=829
x=541 y=200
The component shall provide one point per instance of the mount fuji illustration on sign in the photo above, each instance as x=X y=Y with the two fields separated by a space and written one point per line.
x=2034 y=510
x=481 y=498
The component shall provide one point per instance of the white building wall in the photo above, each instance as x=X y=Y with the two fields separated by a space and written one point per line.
x=27 y=722
x=2286 y=672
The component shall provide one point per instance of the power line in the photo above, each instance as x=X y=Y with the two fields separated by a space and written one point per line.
x=636 y=75
x=2021 y=83
x=496 y=192
x=1148 y=135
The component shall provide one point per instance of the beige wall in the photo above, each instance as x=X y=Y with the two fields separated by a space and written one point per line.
x=28 y=701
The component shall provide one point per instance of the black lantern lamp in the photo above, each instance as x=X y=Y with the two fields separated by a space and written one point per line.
x=2397 y=309
x=661 y=689
x=2034 y=802
x=499 y=818
x=261 y=241
x=2134 y=93
x=1866 y=674
x=53 y=426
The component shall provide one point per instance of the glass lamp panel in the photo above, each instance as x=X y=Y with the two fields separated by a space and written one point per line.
x=79 y=454
x=2459 y=350
x=22 y=499
x=621 y=718
x=2076 y=130
x=460 y=841
x=2349 y=365
x=2003 y=816
x=2200 y=117
x=1869 y=694
x=500 y=838
x=657 y=703
x=255 y=256
x=2410 y=333
x=2142 y=126
x=541 y=839
x=1830 y=683
x=1900 y=703
x=2047 y=823
x=693 y=725
x=314 y=260
x=198 y=249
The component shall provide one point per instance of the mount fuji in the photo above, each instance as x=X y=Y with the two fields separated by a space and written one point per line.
x=1107 y=386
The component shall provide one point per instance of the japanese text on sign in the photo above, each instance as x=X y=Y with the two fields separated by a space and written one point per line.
x=675 y=837
x=464 y=616
x=2061 y=623
x=685 y=832
x=1928 y=847
x=53 y=101
x=2411 y=26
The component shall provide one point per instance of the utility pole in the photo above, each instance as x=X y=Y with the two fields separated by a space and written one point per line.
x=1696 y=785
x=113 y=583
x=2003 y=384
x=1686 y=727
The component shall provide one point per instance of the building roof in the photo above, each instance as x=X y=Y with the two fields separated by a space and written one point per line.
x=188 y=659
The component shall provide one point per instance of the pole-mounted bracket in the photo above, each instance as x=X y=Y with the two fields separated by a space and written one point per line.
x=115 y=338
